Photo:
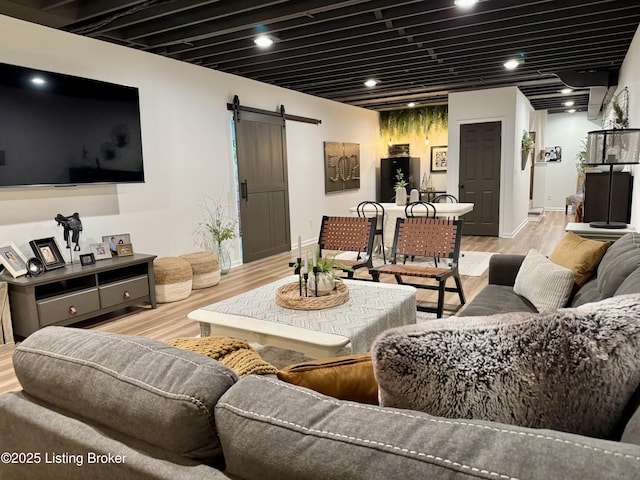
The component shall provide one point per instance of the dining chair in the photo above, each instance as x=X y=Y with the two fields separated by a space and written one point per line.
x=349 y=234
x=370 y=209
x=426 y=237
x=445 y=198
x=420 y=209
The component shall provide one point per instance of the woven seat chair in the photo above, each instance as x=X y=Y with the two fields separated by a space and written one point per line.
x=374 y=209
x=426 y=237
x=349 y=234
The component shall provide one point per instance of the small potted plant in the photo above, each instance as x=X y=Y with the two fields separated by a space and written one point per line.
x=527 y=147
x=401 y=188
x=326 y=267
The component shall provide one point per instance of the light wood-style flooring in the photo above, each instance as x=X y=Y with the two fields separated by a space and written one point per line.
x=170 y=320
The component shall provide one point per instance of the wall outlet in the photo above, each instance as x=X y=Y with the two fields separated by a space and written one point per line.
x=310 y=223
x=548 y=197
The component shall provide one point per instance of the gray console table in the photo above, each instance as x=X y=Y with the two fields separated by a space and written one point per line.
x=74 y=293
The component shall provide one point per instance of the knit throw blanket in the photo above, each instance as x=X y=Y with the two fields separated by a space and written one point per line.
x=232 y=352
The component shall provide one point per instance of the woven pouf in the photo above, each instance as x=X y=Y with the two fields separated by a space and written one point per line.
x=205 y=267
x=173 y=277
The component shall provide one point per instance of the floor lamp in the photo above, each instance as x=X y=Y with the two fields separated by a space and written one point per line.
x=612 y=147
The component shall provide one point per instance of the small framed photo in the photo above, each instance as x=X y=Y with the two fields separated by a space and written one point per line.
x=115 y=240
x=13 y=259
x=47 y=250
x=87 y=259
x=124 y=249
x=100 y=251
x=439 y=159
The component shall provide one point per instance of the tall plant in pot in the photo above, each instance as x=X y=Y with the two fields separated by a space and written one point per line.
x=401 y=188
x=216 y=228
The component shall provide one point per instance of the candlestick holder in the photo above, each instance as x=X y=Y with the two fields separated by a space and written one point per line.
x=315 y=275
x=298 y=271
x=306 y=279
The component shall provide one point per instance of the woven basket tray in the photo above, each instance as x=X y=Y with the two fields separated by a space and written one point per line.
x=288 y=296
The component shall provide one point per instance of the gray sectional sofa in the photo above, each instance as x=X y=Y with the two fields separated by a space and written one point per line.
x=617 y=273
x=99 y=405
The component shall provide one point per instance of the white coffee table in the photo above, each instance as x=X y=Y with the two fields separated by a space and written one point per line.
x=254 y=316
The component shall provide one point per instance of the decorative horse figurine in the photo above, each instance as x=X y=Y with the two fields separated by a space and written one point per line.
x=71 y=223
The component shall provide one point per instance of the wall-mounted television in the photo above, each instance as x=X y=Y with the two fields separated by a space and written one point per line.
x=59 y=130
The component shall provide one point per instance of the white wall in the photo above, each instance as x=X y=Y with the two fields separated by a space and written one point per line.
x=630 y=77
x=186 y=131
x=567 y=130
x=509 y=106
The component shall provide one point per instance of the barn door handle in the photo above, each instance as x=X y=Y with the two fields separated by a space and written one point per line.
x=244 y=191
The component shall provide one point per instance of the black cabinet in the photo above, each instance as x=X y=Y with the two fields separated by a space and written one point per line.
x=596 y=197
x=410 y=166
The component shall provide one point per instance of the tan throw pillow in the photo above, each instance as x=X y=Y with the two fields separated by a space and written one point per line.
x=347 y=378
x=580 y=255
x=545 y=284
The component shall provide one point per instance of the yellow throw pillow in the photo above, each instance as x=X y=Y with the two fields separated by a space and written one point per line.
x=348 y=378
x=580 y=255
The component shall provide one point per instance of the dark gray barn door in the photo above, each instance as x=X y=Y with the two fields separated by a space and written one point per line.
x=479 y=181
x=264 y=194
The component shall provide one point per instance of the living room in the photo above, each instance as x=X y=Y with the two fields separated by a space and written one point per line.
x=188 y=149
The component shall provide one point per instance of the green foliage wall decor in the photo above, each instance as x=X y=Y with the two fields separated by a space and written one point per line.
x=399 y=123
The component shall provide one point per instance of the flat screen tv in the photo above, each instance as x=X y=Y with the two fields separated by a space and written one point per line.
x=61 y=130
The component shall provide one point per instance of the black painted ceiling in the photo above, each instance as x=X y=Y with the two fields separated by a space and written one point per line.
x=419 y=51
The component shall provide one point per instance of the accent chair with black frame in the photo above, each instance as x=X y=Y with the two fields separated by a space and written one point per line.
x=349 y=234
x=420 y=209
x=374 y=209
x=445 y=198
x=426 y=237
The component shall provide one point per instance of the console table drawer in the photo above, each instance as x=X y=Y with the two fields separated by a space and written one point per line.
x=58 y=309
x=124 y=291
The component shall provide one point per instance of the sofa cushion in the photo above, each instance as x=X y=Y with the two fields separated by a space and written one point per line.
x=496 y=299
x=617 y=265
x=545 y=284
x=349 y=377
x=143 y=388
x=573 y=370
x=273 y=430
x=581 y=255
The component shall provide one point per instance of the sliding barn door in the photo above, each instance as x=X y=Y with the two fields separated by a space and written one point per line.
x=264 y=193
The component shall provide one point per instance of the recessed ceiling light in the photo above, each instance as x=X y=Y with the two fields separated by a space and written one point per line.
x=511 y=64
x=566 y=91
x=38 y=80
x=569 y=103
x=411 y=104
x=263 y=41
x=371 y=82
x=572 y=110
x=465 y=3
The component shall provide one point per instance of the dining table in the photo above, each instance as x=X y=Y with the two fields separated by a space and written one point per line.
x=392 y=212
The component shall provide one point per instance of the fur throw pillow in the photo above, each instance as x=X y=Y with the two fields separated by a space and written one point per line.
x=572 y=369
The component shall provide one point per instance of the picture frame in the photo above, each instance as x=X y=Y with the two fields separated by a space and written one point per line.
x=87 y=259
x=48 y=251
x=439 y=158
x=116 y=239
x=124 y=249
x=100 y=251
x=12 y=259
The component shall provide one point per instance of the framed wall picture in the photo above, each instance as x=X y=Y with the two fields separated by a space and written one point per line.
x=47 y=250
x=439 y=159
x=115 y=240
x=13 y=259
x=124 y=249
x=100 y=251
